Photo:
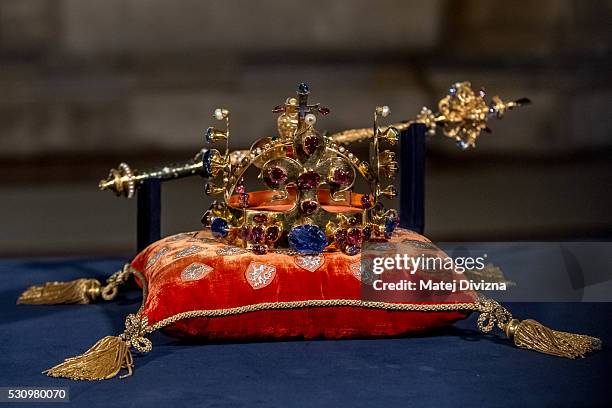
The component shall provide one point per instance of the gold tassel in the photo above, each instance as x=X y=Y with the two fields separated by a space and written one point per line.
x=106 y=358
x=80 y=291
x=532 y=335
x=102 y=361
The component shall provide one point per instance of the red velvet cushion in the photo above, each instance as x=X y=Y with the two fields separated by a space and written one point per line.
x=191 y=271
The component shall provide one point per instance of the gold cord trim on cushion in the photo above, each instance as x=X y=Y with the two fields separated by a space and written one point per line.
x=301 y=304
x=108 y=356
x=528 y=334
x=80 y=291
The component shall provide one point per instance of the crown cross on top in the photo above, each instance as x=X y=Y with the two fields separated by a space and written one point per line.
x=300 y=104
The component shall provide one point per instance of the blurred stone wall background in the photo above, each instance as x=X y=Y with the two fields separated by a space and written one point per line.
x=85 y=84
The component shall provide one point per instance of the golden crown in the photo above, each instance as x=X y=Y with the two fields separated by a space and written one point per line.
x=309 y=178
x=309 y=205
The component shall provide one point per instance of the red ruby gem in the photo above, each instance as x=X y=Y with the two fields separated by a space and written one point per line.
x=257 y=234
x=366 y=202
x=259 y=249
x=311 y=142
x=240 y=186
x=244 y=200
x=323 y=110
x=278 y=109
x=275 y=176
x=244 y=233
x=308 y=180
x=260 y=218
x=309 y=207
x=340 y=237
x=341 y=177
x=354 y=236
x=272 y=233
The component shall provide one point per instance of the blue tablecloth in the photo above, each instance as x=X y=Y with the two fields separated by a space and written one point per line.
x=453 y=367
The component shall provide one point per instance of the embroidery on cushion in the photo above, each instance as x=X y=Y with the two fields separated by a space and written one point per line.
x=356 y=270
x=190 y=250
x=195 y=271
x=361 y=275
x=310 y=262
x=381 y=247
x=231 y=250
x=419 y=244
x=181 y=236
x=161 y=252
x=259 y=275
x=203 y=240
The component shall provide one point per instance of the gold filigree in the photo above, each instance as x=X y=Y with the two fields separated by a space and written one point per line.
x=463 y=114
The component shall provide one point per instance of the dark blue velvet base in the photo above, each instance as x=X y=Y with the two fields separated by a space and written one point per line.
x=453 y=367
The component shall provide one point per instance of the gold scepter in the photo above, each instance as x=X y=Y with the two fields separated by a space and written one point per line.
x=462 y=115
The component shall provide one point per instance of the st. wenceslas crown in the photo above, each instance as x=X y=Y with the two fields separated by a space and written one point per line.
x=309 y=205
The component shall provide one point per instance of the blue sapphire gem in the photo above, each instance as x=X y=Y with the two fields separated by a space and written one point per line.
x=390 y=224
x=209 y=134
x=307 y=239
x=219 y=227
x=352 y=250
x=462 y=145
x=207 y=163
x=303 y=88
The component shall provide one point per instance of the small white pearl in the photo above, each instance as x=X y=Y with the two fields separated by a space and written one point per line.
x=385 y=111
x=310 y=119
x=218 y=113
